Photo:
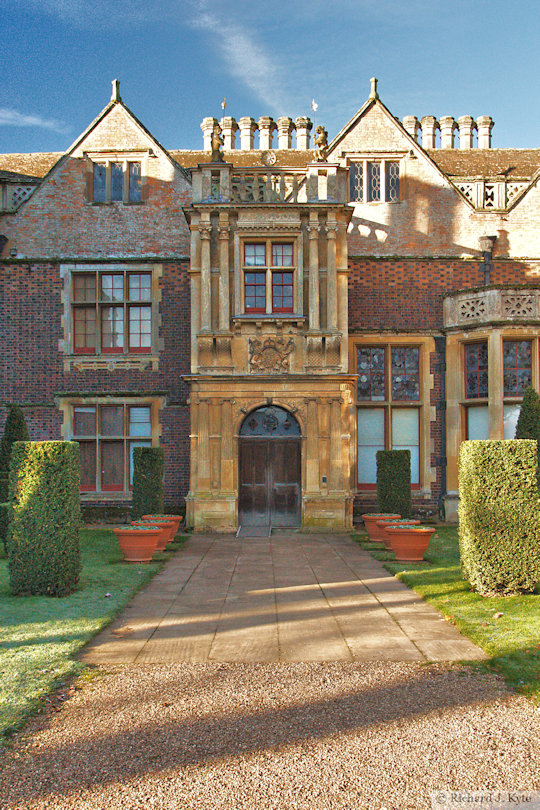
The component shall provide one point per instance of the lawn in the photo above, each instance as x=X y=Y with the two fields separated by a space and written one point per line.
x=511 y=640
x=40 y=635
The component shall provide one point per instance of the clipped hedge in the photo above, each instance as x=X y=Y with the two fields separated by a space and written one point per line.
x=394 y=481
x=4 y=523
x=15 y=430
x=43 y=541
x=499 y=520
x=147 y=482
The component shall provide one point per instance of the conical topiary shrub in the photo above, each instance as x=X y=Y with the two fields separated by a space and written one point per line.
x=15 y=430
x=528 y=423
x=147 y=482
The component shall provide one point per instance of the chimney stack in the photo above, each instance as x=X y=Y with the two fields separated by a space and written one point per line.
x=429 y=126
x=303 y=128
x=267 y=126
x=248 y=127
x=466 y=129
x=412 y=125
x=207 y=127
x=285 y=129
x=484 y=125
x=447 y=125
x=229 y=128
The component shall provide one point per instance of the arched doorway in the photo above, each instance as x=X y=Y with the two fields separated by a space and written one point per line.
x=270 y=469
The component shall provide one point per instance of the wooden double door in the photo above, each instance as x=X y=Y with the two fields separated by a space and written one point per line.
x=270 y=482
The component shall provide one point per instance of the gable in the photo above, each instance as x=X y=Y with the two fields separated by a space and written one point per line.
x=373 y=129
x=116 y=131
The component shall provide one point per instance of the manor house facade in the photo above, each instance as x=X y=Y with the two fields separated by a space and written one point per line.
x=271 y=313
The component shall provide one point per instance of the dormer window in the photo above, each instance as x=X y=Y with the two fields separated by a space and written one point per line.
x=374 y=181
x=117 y=181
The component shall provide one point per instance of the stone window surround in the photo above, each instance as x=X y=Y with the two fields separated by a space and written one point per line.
x=427 y=413
x=125 y=157
x=280 y=236
x=383 y=159
x=66 y=405
x=98 y=361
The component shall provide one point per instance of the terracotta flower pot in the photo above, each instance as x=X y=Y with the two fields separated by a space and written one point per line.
x=383 y=524
x=167 y=530
x=137 y=543
x=370 y=522
x=177 y=519
x=409 y=543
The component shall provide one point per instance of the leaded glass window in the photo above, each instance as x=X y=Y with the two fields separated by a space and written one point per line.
x=392 y=181
x=405 y=373
x=356 y=178
x=370 y=367
x=517 y=367
x=476 y=370
x=374 y=182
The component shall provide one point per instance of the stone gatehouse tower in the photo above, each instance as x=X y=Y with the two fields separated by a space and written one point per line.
x=272 y=421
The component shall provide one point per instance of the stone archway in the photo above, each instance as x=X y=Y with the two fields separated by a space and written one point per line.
x=269 y=492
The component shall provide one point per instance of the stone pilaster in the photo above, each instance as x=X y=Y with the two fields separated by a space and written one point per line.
x=331 y=277
x=205 y=231
x=224 y=314
x=314 y=307
x=335 y=482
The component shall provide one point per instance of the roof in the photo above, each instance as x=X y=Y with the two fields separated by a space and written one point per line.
x=514 y=164
x=31 y=165
x=291 y=158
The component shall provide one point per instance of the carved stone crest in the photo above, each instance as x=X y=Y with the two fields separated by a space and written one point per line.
x=270 y=355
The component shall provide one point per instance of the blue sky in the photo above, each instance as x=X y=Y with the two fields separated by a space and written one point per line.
x=177 y=59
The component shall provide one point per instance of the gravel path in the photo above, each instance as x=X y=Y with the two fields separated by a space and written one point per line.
x=318 y=735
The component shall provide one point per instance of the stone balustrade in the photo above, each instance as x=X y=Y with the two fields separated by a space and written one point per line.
x=492 y=305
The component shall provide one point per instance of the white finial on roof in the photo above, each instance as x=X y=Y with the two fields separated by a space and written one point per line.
x=373 y=93
x=115 y=90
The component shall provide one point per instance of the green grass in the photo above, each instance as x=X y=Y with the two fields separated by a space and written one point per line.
x=511 y=641
x=40 y=635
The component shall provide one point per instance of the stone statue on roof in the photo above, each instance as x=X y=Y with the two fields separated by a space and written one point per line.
x=217 y=144
x=321 y=142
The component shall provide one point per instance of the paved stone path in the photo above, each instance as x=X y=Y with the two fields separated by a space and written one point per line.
x=290 y=597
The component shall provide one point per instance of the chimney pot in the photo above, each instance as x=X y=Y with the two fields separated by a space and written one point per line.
x=447 y=126
x=207 y=127
x=285 y=127
x=248 y=127
x=412 y=125
x=267 y=125
x=229 y=127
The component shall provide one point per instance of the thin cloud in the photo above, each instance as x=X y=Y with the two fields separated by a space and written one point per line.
x=246 y=58
x=13 y=118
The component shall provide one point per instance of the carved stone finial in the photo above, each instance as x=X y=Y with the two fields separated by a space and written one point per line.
x=321 y=143
x=115 y=90
x=373 y=92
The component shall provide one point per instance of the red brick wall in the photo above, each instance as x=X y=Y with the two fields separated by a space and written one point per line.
x=32 y=367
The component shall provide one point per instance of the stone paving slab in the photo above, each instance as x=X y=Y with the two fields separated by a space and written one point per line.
x=288 y=597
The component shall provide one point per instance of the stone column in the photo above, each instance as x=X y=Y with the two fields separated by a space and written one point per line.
x=205 y=230
x=266 y=131
x=314 y=314
x=429 y=126
x=303 y=128
x=229 y=128
x=312 y=446
x=215 y=445
x=335 y=482
x=203 y=448
x=343 y=317
x=207 y=127
x=285 y=129
x=248 y=128
x=195 y=285
x=495 y=388
x=484 y=125
x=227 y=460
x=466 y=128
x=447 y=125
x=224 y=315
x=331 y=275
x=412 y=125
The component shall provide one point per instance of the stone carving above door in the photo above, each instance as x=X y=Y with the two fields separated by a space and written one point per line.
x=270 y=355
